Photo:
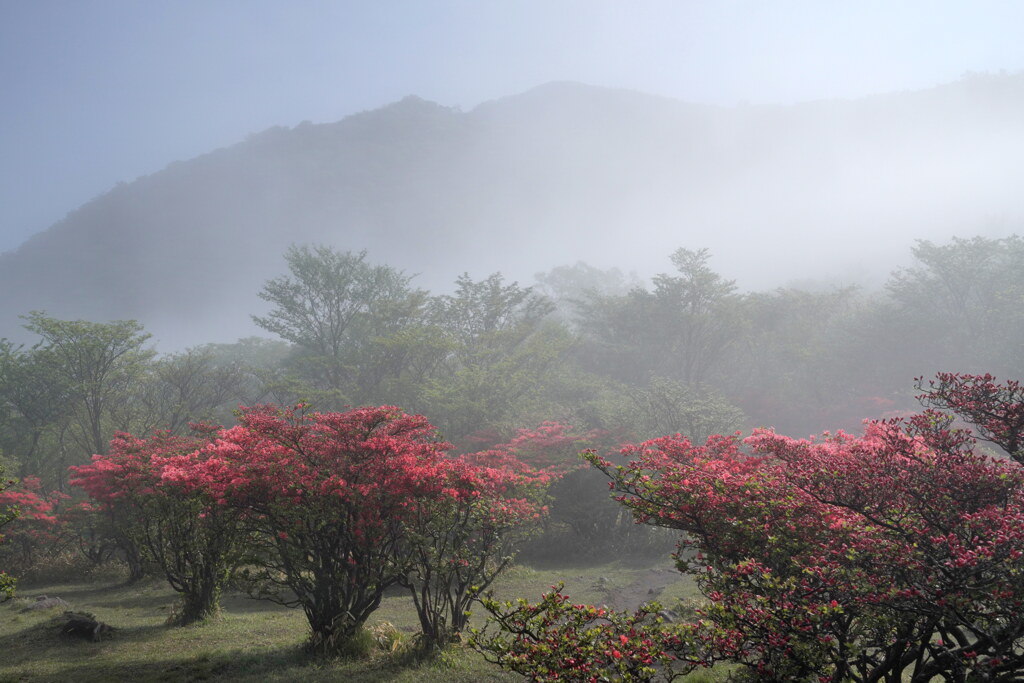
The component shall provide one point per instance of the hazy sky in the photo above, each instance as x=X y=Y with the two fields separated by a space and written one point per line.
x=101 y=91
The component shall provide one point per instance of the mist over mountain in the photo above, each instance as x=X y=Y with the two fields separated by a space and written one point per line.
x=827 y=190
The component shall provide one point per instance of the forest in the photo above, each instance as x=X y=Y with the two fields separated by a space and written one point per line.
x=384 y=438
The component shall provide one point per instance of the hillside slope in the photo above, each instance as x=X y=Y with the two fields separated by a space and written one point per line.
x=561 y=173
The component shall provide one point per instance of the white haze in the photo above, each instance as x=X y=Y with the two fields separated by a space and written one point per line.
x=813 y=165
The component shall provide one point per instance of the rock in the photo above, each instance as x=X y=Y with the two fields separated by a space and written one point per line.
x=43 y=602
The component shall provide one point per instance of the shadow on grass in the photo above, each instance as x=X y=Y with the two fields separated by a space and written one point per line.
x=44 y=630
x=146 y=595
x=240 y=603
x=51 y=657
x=38 y=651
x=119 y=602
x=82 y=665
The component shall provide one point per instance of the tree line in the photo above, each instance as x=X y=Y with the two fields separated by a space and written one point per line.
x=848 y=558
x=604 y=358
x=586 y=347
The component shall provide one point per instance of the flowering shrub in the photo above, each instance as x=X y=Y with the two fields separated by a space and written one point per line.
x=174 y=519
x=896 y=553
x=344 y=505
x=462 y=541
x=555 y=639
x=330 y=510
x=7 y=513
x=551 y=449
x=37 y=530
x=327 y=495
x=996 y=410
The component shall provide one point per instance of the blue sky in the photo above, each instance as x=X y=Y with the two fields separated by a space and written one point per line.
x=101 y=91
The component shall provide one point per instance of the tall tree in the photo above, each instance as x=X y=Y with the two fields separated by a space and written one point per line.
x=37 y=398
x=500 y=349
x=489 y=314
x=318 y=306
x=961 y=306
x=570 y=286
x=184 y=388
x=336 y=307
x=681 y=329
x=799 y=363
x=99 y=362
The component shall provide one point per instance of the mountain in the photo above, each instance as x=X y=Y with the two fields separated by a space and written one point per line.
x=563 y=172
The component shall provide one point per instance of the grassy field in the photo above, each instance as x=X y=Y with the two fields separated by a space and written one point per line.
x=258 y=641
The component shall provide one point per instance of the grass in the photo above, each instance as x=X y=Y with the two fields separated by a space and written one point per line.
x=257 y=641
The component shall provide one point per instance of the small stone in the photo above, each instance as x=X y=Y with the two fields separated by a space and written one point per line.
x=43 y=602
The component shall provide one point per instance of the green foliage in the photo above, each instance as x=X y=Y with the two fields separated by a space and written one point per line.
x=496 y=383
x=557 y=640
x=327 y=297
x=668 y=406
x=363 y=336
x=38 y=400
x=7 y=514
x=798 y=364
x=459 y=548
x=99 y=363
x=682 y=329
x=180 y=389
x=489 y=313
x=961 y=304
x=568 y=287
x=585 y=521
x=339 y=311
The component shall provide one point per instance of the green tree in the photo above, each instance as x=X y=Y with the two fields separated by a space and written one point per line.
x=682 y=329
x=697 y=324
x=183 y=388
x=99 y=363
x=799 y=363
x=960 y=306
x=668 y=406
x=568 y=287
x=258 y=360
x=338 y=309
x=318 y=304
x=500 y=350
x=488 y=314
x=34 y=401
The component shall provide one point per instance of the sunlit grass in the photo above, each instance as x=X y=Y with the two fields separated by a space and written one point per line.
x=253 y=640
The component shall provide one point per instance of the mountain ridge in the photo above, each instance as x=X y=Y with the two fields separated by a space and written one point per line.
x=559 y=173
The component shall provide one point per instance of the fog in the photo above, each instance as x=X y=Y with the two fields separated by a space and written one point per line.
x=158 y=161
x=418 y=257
